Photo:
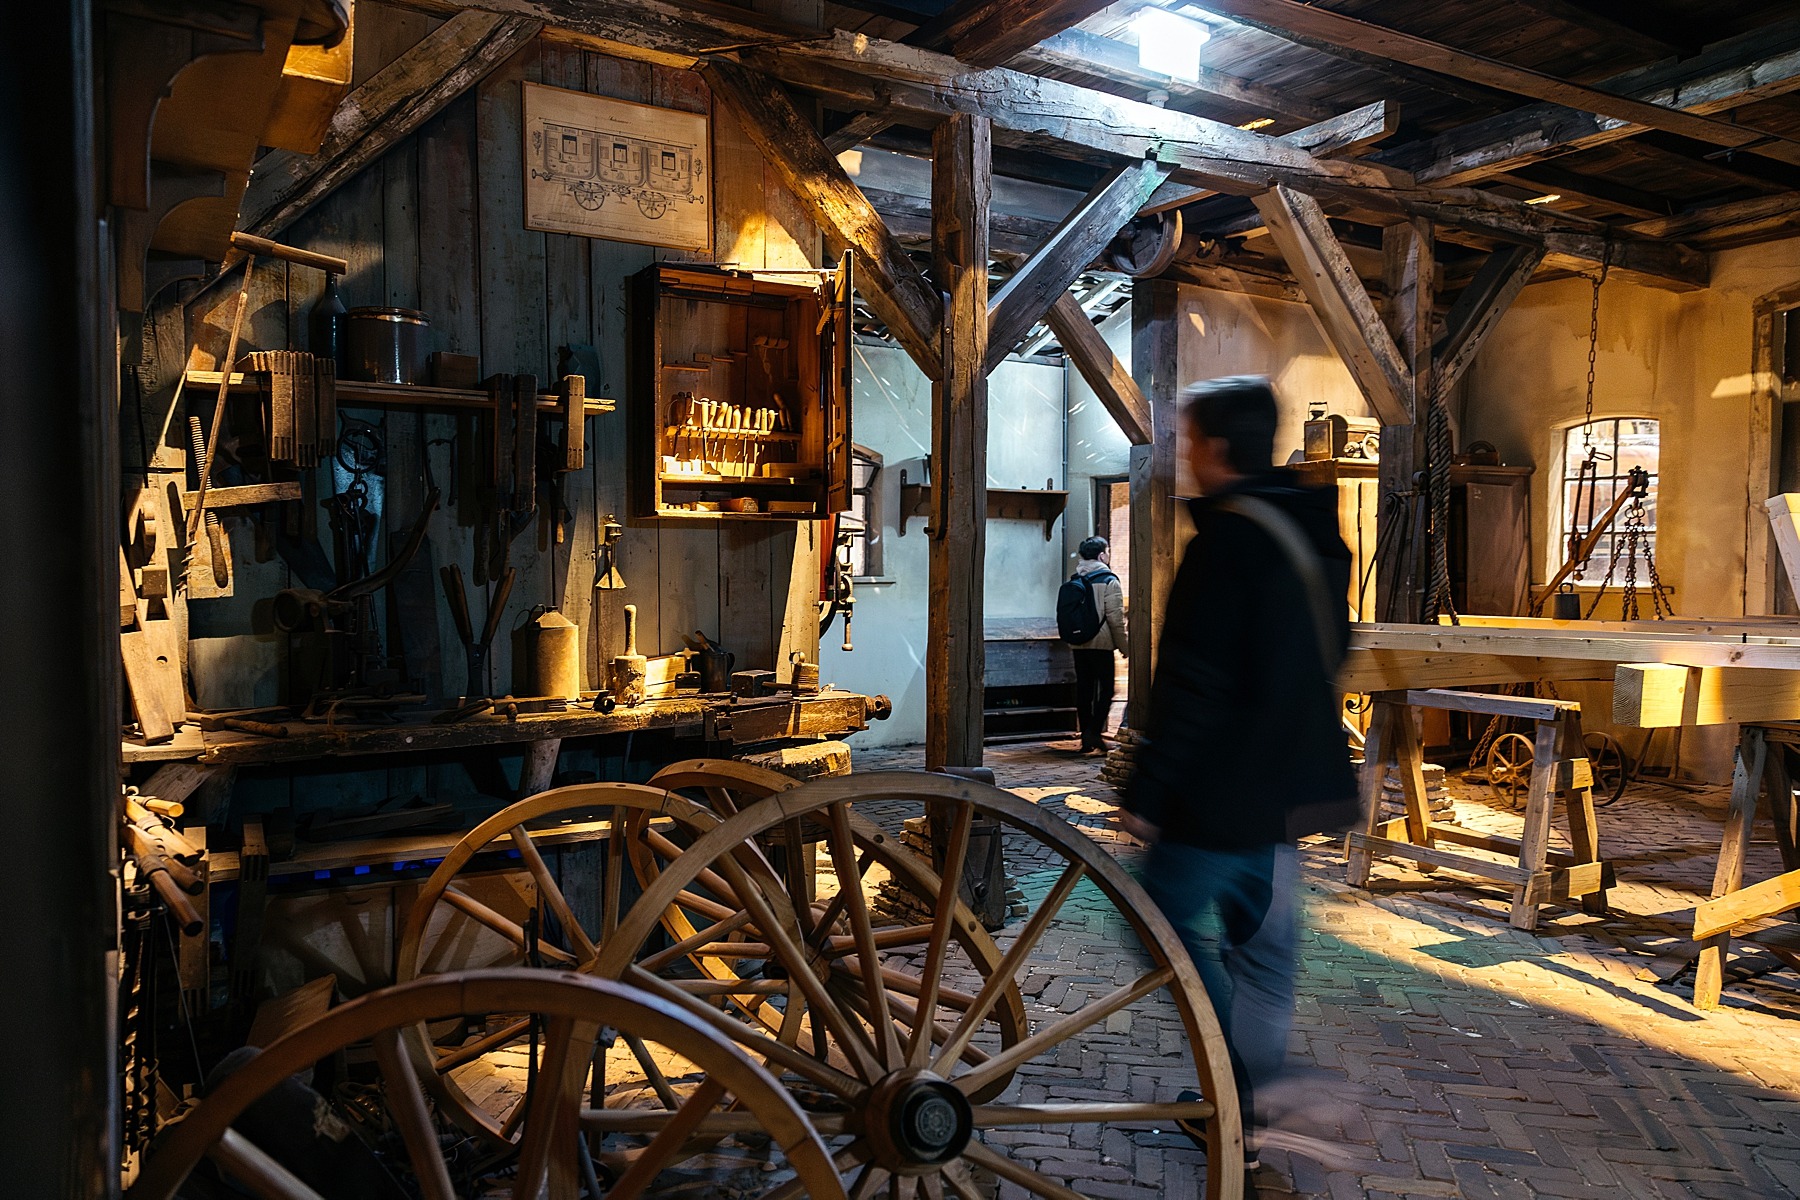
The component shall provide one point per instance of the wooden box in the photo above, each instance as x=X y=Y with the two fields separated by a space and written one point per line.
x=741 y=395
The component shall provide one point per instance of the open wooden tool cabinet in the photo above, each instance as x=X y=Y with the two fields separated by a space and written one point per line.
x=741 y=394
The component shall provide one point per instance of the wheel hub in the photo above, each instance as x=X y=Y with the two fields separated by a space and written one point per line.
x=917 y=1121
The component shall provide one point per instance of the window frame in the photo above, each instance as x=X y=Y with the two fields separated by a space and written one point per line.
x=868 y=498
x=1568 y=465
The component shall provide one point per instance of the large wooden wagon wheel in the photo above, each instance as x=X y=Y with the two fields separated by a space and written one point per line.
x=830 y=941
x=715 y=954
x=1509 y=768
x=1611 y=768
x=572 y=1010
x=910 y=1111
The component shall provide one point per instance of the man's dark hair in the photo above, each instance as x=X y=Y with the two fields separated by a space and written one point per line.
x=1091 y=548
x=1240 y=409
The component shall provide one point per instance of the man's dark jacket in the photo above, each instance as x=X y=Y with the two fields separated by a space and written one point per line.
x=1246 y=743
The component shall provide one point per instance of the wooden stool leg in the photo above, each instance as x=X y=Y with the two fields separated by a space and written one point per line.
x=1746 y=782
x=1778 y=787
x=1534 y=842
x=1578 y=802
x=1377 y=748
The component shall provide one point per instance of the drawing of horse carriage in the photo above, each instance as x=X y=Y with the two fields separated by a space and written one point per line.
x=592 y=165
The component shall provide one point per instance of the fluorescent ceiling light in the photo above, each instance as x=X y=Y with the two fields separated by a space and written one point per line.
x=1552 y=198
x=1169 y=44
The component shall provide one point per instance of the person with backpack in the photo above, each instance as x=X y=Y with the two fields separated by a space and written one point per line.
x=1090 y=616
x=1245 y=750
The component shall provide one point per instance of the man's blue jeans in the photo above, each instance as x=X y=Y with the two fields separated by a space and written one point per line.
x=1235 y=911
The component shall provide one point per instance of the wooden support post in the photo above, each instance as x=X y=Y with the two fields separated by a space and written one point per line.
x=1402 y=574
x=1728 y=876
x=961 y=184
x=1578 y=803
x=1377 y=750
x=1155 y=363
x=1534 y=842
x=538 y=774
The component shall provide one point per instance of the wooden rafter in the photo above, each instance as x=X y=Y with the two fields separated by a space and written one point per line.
x=1721 y=223
x=1339 y=300
x=894 y=288
x=1074 y=243
x=1479 y=308
x=1350 y=32
x=1118 y=392
x=385 y=110
x=986 y=33
x=1733 y=73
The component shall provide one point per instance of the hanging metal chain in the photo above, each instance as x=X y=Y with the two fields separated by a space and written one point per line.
x=1438 y=597
x=1587 y=420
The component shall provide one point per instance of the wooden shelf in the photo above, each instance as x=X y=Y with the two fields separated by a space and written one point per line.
x=736 y=481
x=356 y=392
x=1005 y=504
x=729 y=435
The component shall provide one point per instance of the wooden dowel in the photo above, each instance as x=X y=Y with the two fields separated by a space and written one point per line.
x=251 y=244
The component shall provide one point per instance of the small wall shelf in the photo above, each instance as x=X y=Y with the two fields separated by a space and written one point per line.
x=1008 y=504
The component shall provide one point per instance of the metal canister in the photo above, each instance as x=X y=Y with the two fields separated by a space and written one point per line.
x=386 y=345
x=557 y=651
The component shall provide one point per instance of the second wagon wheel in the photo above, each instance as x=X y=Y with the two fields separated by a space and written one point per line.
x=909 y=1114
x=573 y=1010
x=1509 y=768
x=1611 y=769
x=743 y=952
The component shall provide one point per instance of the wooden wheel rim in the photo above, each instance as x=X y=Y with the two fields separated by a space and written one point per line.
x=579 y=998
x=1611 y=769
x=745 y=780
x=1223 y=1132
x=1509 y=771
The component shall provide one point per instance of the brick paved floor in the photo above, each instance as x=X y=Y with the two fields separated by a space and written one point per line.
x=1485 y=1062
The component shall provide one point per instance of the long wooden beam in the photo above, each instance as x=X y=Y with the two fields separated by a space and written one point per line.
x=1721 y=914
x=1719 y=224
x=1479 y=309
x=1368 y=670
x=386 y=109
x=1339 y=300
x=1071 y=246
x=1601 y=645
x=1118 y=392
x=1742 y=70
x=894 y=288
x=1398 y=46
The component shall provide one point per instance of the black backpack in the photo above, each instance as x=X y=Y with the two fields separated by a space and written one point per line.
x=1077 y=615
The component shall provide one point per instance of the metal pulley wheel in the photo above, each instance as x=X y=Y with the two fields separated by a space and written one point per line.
x=1509 y=768
x=1610 y=766
x=1147 y=245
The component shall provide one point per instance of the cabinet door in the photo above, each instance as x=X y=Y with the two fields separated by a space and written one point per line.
x=835 y=351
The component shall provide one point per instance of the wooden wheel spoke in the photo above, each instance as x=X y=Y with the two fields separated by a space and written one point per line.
x=686 y=946
x=406 y=1102
x=843 y=851
x=705 y=906
x=249 y=1163
x=852 y=1037
x=894 y=938
x=612 y=886
x=1008 y=968
x=512 y=931
x=547 y=1154
x=793 y=850
x=553 y=895
x=732 y=987
x=659 y=1082
x=997 y=1116
x=1032 y=1181
x=842 y=1161
x=1062 y=1030
x=918 y=1052
x=463 y=1055
x=834 y=908
x=773 y=1052
x=931 y=1187
x=667 y=1143
x=712 y=1125
x=868 y=1181
x=959 y=1184
x=705 y=876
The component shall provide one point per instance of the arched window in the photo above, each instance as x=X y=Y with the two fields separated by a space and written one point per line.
x=1615 y=445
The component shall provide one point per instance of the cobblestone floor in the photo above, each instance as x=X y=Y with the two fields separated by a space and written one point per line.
x=1485 y=1061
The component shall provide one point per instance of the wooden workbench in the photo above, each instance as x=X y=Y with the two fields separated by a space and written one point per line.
x=717 y=718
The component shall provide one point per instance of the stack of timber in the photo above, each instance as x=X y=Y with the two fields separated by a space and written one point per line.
x=1120 y=763
x=1437 y=795
x=899 y=904
x=815 y=761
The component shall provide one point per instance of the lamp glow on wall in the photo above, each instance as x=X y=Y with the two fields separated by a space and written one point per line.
x=1169 y=44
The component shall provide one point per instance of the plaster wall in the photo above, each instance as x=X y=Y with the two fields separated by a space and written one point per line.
x=1025 y=449
x=1096 y=446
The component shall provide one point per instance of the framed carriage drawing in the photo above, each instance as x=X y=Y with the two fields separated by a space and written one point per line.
x=606 y=168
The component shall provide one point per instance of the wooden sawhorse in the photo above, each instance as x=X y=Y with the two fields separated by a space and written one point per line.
x=1760 y=769
x=1559 y=770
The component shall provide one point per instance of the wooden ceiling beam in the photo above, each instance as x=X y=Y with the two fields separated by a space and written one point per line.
x=895 y=289
x=1399 y=46
x=377 y=116
x=1573 y=187
x=1637 y=30
x=1741 y=220
x=1111 y=59
x=1071 y=246
x=1727 y=75
x=1479 y=309
x=1339 y=300
x=986 y=33
x=1088 y=352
